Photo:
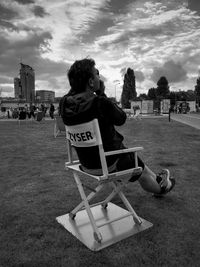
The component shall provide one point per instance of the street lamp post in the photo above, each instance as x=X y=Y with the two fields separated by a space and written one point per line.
x=116 y=90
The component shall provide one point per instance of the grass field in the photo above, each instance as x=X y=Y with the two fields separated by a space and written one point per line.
x=35 y=189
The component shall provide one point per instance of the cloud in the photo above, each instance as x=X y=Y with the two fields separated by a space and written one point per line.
x=123 y=72
x=148 y=36
x=39 y=11
x=47 y=68
x=103 y=78
x=174 y=72
x=139 y=76
x=82 y=14
x=145 y=27
x=25 y=2
x=7 y=13
x=194 y=5
x=4 y=80
x=8 y=25
x=29 y=48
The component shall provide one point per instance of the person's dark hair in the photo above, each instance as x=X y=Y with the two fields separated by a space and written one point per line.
x=80 y=73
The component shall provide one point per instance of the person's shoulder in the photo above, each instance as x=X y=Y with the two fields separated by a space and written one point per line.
x=102 y=101
x=103 y=98
x=62 y=99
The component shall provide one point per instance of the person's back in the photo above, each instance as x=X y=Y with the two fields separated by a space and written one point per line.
x=83 y=107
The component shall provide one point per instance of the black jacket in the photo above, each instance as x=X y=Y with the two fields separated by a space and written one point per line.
x=83 y=107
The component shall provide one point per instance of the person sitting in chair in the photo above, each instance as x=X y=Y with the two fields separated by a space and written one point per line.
x=87 y=100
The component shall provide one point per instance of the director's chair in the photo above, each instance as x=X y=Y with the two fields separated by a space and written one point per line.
x=101 y=224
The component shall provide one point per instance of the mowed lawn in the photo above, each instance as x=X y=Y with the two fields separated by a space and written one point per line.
x=35 y=189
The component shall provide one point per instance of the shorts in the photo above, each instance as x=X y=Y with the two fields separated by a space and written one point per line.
x=127 y=161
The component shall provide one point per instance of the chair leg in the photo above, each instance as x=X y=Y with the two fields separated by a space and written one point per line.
x=55 y=131
x=118 y=191
x=89 y=197
x=97 y=234
x=136 y=219
x=112 y=194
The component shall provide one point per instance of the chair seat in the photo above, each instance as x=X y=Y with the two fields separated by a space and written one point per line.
x=76 y=167
x=133 y=171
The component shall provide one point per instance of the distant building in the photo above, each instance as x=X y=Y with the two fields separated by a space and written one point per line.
x=45 y=96
x=17 y=88
x=27 y=81
x=57 y=99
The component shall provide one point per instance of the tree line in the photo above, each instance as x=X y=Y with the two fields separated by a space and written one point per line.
x=162 y=91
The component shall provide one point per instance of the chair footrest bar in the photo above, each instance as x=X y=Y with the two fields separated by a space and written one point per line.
x=116 y=219
x=93 y=205
x=89 y=187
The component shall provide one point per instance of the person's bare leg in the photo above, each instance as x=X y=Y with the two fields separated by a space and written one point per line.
x=148 y=181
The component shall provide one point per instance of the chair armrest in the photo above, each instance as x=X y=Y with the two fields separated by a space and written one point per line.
x=68 y=163
x=121 y=151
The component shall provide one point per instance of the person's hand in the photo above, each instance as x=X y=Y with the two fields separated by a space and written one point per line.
x=101 y=90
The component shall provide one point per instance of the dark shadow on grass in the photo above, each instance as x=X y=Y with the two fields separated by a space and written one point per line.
x=167 y=164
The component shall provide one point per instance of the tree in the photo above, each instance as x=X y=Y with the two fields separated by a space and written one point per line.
x=129 y=91
x=183 y=95
x=143 y=97
x=173 y=97
x=197 y=90
x=163 y=88
x=190 y=94
x=152 y=93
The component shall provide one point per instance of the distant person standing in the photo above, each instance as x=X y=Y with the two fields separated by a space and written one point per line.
x=51 y=111
x=170 y=111
x=32 y=111
x=9 y=113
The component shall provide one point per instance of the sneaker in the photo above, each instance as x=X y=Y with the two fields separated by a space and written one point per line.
x=165 y=181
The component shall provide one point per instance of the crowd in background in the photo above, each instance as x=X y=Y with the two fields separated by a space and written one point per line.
x=29 y=112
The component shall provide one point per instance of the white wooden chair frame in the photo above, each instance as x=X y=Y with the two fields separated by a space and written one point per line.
x=58 y=126
x=77 y=136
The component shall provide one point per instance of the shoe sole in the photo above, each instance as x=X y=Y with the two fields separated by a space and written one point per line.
x=168 y=176
x=173 y=182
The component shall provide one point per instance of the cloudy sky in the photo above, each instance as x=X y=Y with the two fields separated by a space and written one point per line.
x=154 y=38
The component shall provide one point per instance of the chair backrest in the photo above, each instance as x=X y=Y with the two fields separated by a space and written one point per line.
x=86 y=135
x=60 y=124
